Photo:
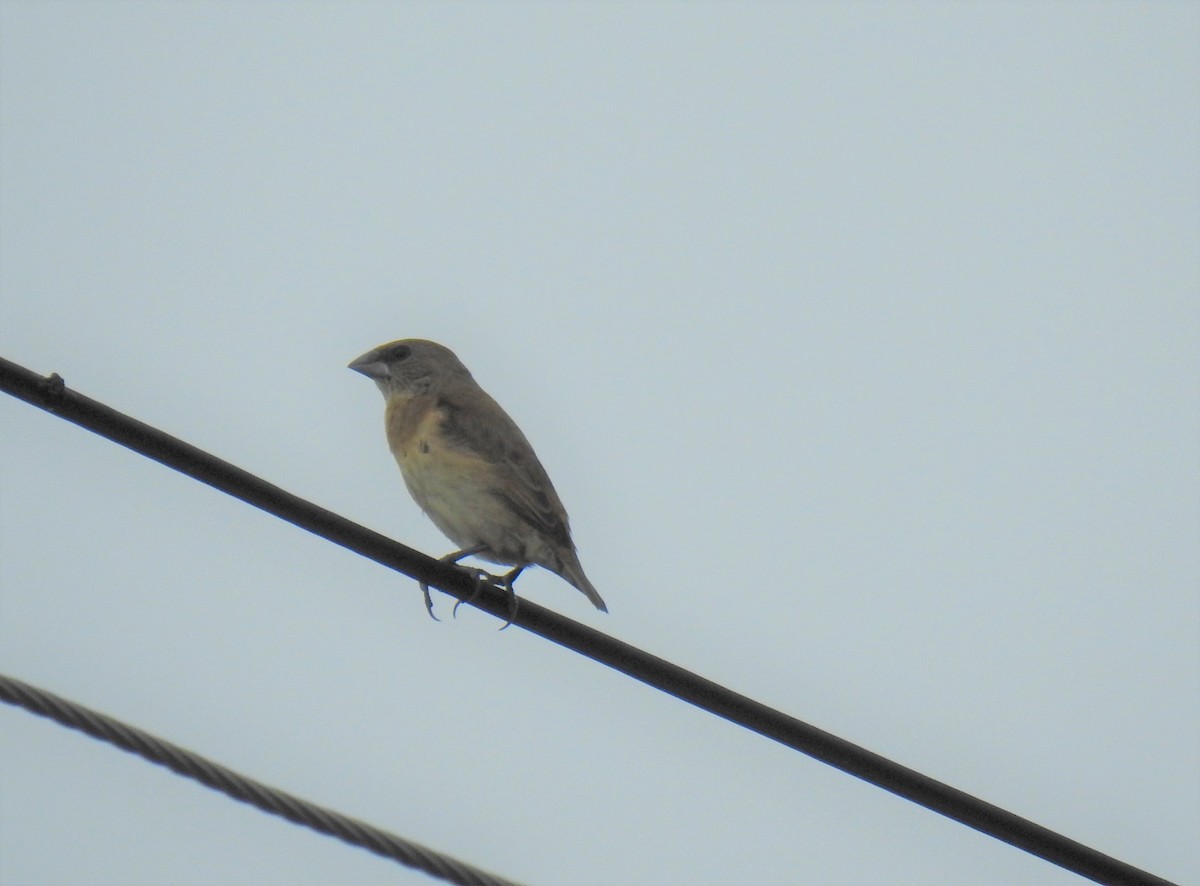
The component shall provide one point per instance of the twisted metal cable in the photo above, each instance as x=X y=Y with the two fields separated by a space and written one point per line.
x=230 y=783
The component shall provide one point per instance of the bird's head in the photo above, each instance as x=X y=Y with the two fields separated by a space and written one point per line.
x=410 y=367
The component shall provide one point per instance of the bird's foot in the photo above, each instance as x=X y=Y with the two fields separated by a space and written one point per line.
x=454 y=558
x=481 y=579
x=506 y=585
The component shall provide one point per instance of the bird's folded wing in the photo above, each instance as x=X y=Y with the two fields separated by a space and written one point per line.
x=520 y=480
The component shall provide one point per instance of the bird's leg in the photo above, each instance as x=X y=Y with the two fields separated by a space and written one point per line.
x=506 y=585
x=454 y=558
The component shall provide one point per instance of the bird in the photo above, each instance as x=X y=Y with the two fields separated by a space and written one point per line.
x=469 y=467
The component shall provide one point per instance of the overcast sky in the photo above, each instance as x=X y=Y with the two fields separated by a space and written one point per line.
x=861 y=340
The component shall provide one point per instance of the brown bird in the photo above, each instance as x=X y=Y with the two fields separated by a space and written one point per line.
x=468 y=466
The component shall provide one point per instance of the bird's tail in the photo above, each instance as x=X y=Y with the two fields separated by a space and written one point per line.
x=572 y=571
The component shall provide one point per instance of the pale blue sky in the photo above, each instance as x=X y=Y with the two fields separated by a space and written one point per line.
x=862 y=341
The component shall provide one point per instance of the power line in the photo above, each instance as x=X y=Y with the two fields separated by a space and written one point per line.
x=230 y=783
x=51 y=394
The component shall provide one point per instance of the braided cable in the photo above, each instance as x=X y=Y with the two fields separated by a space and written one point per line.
x=246 y=790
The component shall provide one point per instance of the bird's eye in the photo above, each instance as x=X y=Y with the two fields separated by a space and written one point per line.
x=399 y=353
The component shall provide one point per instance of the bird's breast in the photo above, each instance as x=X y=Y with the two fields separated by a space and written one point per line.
x=449 y=484
x=417 y=440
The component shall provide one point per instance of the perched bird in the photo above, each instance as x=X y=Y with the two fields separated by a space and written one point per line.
x=468 y=466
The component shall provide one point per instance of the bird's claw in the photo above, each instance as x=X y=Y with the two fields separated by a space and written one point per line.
x=481 y=578
x=453 y=558
x=506 y=585
x=428 y=601
x=503 y=583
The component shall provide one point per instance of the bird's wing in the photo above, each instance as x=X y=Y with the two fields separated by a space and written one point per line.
x=485 y=430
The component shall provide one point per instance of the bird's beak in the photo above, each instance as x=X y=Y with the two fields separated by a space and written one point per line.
x=371 y=365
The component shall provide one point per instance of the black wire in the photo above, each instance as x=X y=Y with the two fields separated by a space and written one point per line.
x=228 y=782
x=51 y=394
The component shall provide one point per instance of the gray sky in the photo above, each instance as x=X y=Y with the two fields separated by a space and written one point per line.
x=862 y=342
